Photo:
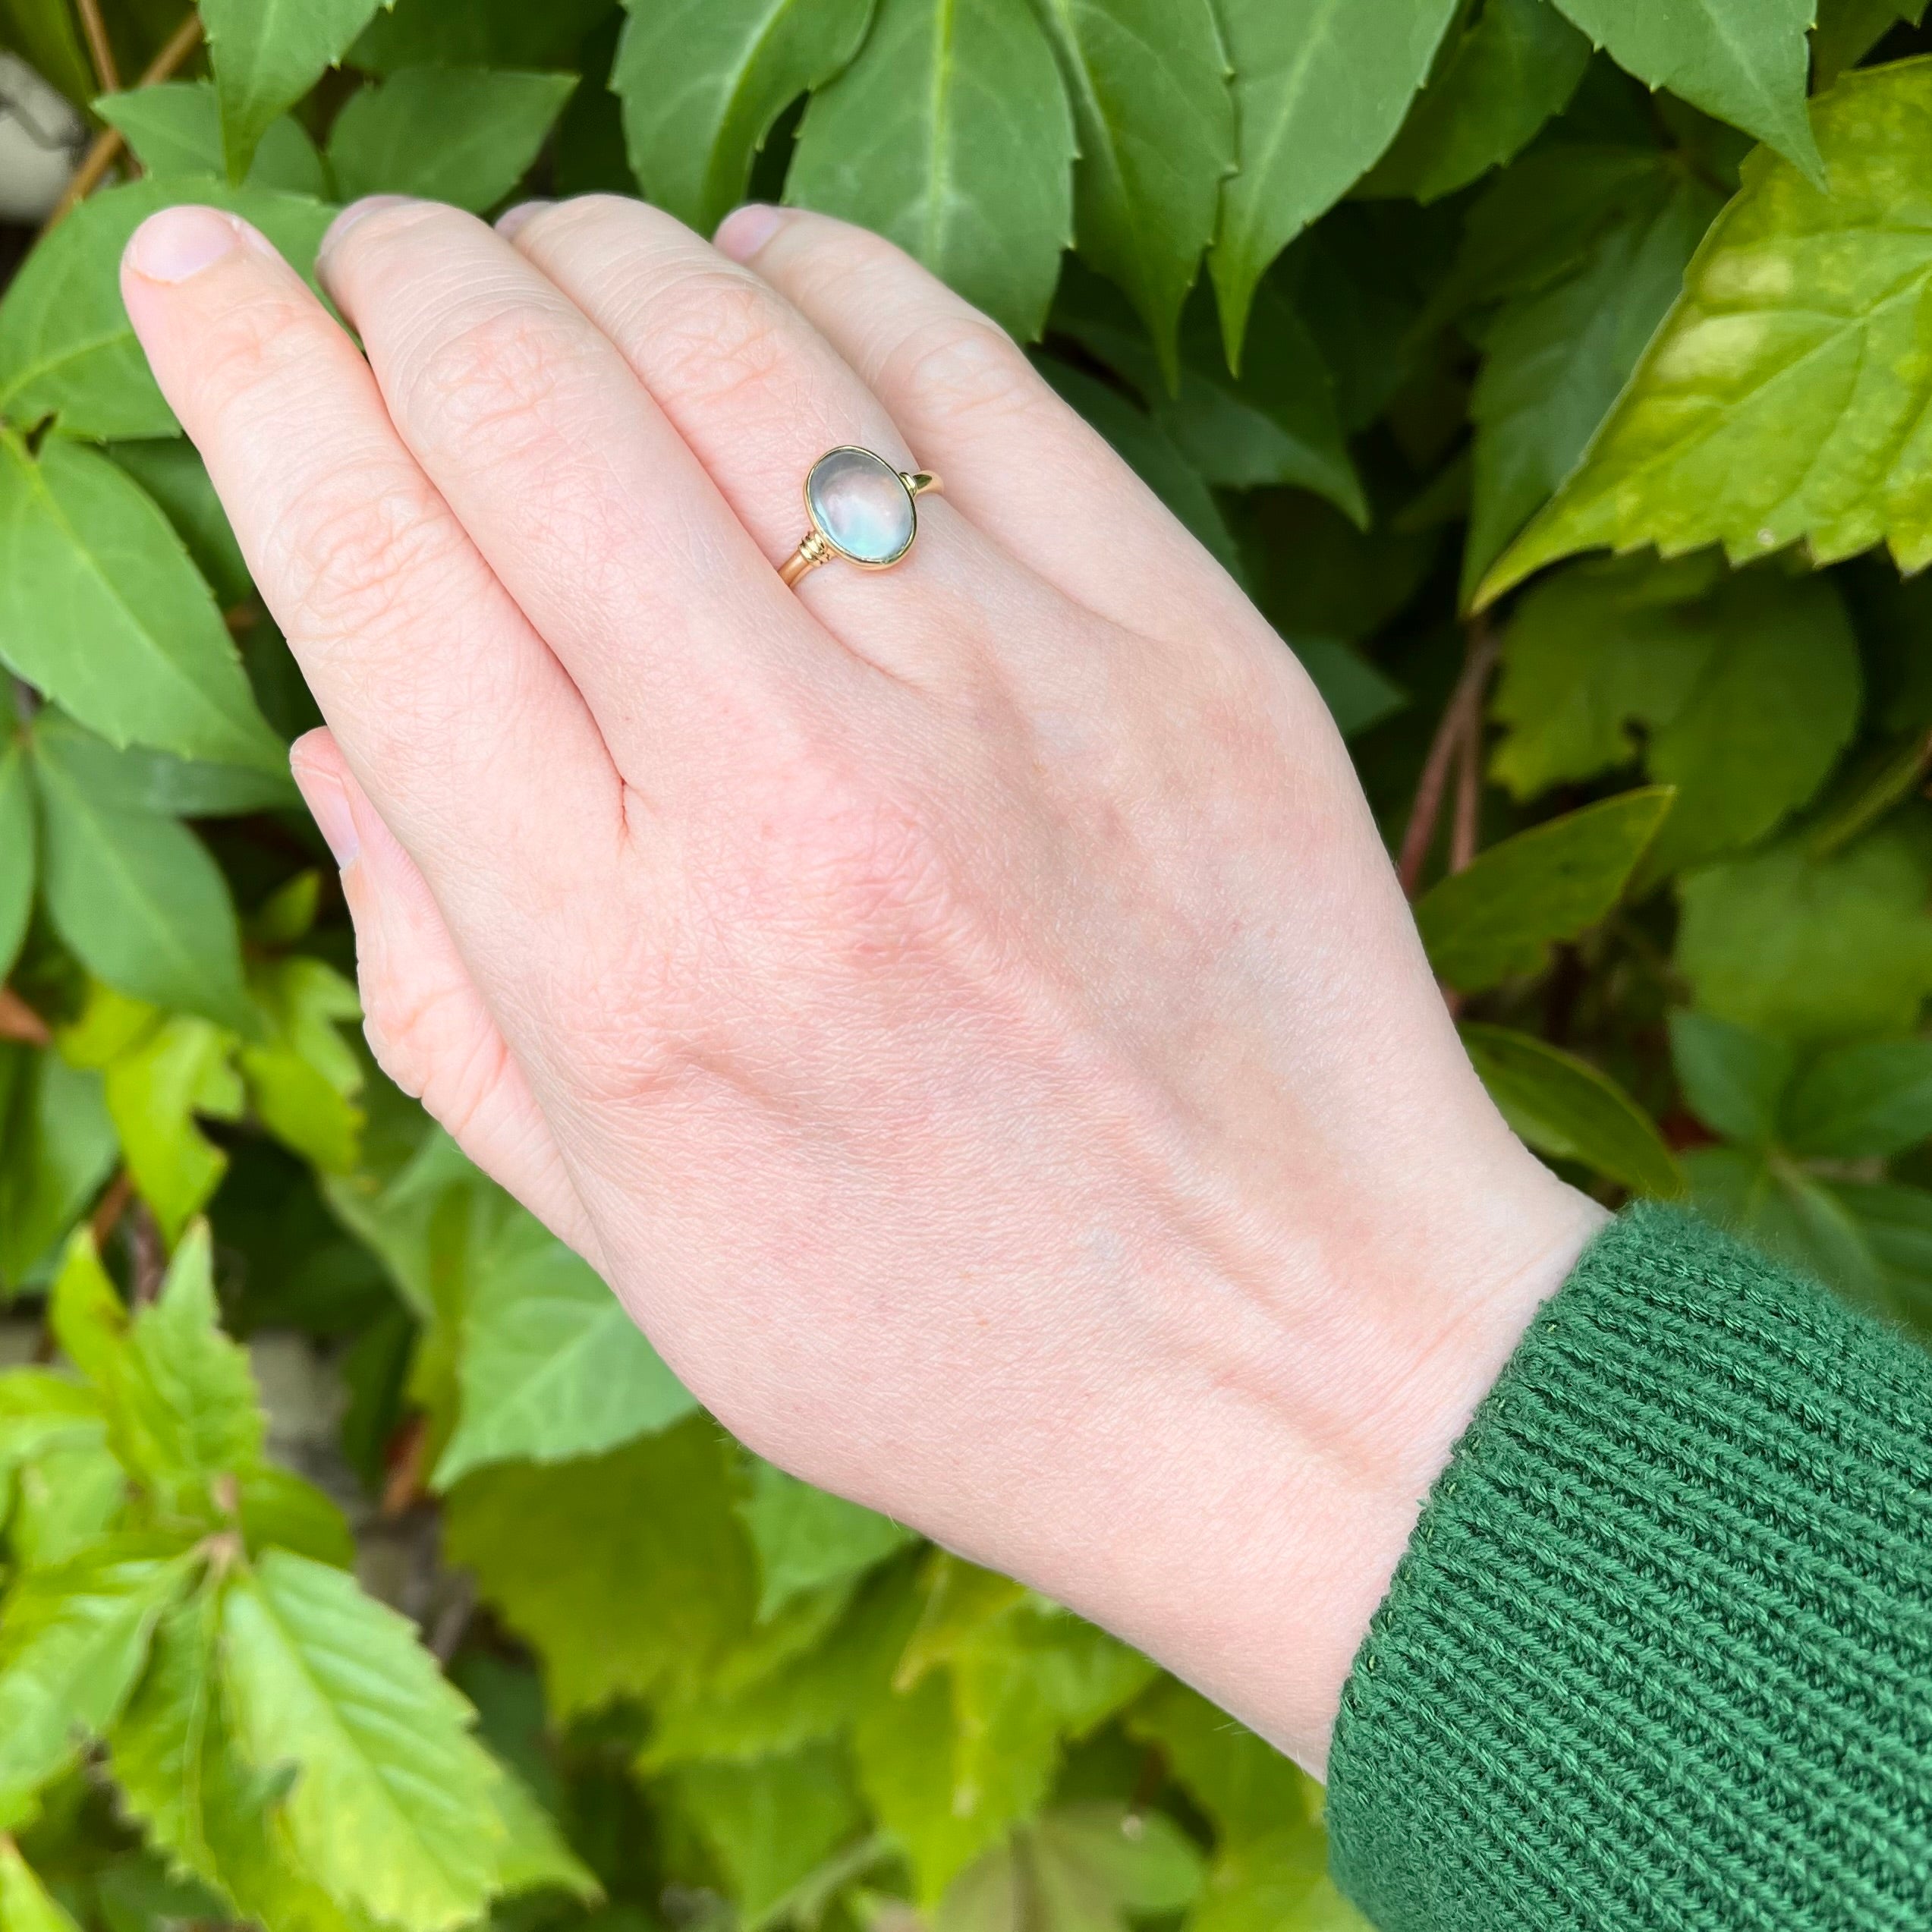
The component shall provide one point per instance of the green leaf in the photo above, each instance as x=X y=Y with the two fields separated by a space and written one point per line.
x=182 y=1402
x=1863 y=1102
x=100 y=607
x=1557 y=352
x=806 y=1538
x=57 y=1146
x=72 y=1639
x=140 y=780
x=303 y=1078
x=951 y=134
x=1245 y=1786
x=175 y=130
x=1504 y=74
x=1848 y=30
x=178 y=1764
x=268 y=54
x=1277 y=422
x=171 y=470
x=1497 y=920
x=702 y=82
x=40 y=1409
x=533 y=1856
x=1793 y=1216
x=1082 y=1868
x=625 y=1573
x=1155 y=119
x=25 y=1904
x=478 y=34
x=1151 y=453
x=182 y=1068
x=1746 y=61
x=143 y=905
x=280 y=1510
x=771 y=1822
x=1896 y=1222
x=16 y=850
x=988 y=1691
x=464 y=135
x=1733 y=1079
x=67 y=347
x=1746 y=422
x=1321 y=86
x=1814 y=950
x=391 y=1805
x=1564 y=1107
x=552 y=1367
x=1740 y=691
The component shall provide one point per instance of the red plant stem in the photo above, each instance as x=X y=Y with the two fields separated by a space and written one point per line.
x=108 y=144
x=1463 y=716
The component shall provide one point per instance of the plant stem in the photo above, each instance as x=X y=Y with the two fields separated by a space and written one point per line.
x=18 y=1021
x=99 y=47
x=1463 y=716
x=1465 y=827
x=108 y=144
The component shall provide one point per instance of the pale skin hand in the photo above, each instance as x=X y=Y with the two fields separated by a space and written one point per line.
x=966 y=1012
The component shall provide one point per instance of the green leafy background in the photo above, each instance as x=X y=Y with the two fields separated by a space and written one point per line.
x=1554 y=373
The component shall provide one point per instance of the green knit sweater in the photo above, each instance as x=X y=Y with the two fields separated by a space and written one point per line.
x=1660 y=1654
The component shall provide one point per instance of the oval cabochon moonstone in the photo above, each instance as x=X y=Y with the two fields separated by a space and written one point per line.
x=860 y=507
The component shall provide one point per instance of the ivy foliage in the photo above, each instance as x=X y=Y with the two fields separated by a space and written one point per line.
x=1553 y=372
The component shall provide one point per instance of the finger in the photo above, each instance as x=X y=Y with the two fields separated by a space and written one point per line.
x=461 y=725
x=1018 y=462
x=427 y=1024
x=759 y=396
x=588 y=505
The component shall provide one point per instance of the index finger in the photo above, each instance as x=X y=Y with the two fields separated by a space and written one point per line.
x=450 y=709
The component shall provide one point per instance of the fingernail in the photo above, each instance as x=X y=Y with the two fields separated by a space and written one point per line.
x=370 y=204
x=328 y=806
x=180 y=242
x=511 y=219
x=746 y=230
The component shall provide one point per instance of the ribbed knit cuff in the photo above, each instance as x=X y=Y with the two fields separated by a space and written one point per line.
x=1659 y=1653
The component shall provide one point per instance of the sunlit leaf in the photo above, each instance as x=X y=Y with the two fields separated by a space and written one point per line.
x=1785 y=397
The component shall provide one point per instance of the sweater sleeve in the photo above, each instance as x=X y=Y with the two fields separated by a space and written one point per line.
x=1660 y=1652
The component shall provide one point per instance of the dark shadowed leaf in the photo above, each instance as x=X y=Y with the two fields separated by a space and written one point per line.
x=1498 y=919
x=1564 y=1107
x=1733 y=1079
x=1862 y=1102
x=1320 y=88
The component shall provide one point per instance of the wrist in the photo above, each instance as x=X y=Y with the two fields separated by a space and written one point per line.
x=1242 y=1514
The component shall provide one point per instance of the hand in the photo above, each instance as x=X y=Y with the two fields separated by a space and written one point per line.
x=966 y=1012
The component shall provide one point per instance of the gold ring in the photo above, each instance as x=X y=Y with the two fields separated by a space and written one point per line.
x=861 y=509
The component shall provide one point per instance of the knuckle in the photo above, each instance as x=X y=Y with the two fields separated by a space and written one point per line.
x=349 y=552
x=965 y=366
x=492 y=380
x=715 y=334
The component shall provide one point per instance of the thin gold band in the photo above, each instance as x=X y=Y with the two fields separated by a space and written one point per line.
x=815 y=550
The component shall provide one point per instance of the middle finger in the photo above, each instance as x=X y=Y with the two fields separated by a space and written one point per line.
x=583 y=499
